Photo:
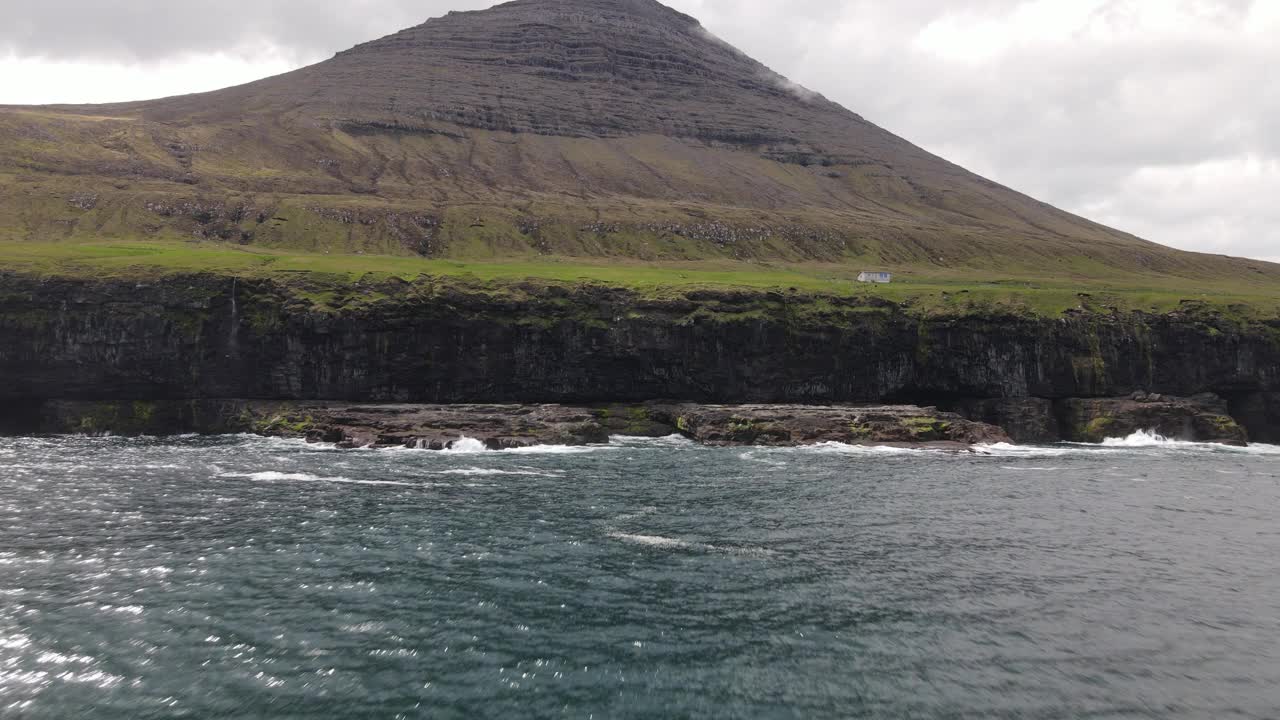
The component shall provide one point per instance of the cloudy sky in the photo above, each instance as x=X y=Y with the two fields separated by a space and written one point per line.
x=1160 y=117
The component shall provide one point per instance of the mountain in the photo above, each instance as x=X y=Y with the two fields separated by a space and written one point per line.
x=565 y=128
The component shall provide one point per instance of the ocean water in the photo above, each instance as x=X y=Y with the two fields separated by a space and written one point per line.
x=241 y=577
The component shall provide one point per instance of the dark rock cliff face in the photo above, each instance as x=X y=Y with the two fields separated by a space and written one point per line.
x=215 y=337
x=1260 y=413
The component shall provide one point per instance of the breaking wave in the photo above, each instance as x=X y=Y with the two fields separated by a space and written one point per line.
x=1152 y=439
x=466 y=446
x=1143 y=438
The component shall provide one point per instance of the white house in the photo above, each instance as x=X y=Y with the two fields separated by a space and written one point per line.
x=875 y=277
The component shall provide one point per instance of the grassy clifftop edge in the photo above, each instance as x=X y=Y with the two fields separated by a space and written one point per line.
x=330 y=282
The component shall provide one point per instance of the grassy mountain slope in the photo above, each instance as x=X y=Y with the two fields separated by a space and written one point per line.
x=550 y=133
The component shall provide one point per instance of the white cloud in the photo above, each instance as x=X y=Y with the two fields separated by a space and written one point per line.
x=36 y=81
x=970 y=35
x=1184 y=205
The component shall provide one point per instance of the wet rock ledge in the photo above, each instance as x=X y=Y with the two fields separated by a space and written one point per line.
x=1202 y=418
x=440 y=427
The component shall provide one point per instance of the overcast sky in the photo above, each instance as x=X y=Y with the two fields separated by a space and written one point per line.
x=1160 y=117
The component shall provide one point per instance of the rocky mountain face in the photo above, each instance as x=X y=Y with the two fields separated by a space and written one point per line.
x=206 y=337
x=590 y=69
x=577 y=68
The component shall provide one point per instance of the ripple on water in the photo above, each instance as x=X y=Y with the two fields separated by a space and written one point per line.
x=647 y=578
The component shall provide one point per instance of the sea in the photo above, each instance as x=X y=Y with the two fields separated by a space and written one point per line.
x=245 y=577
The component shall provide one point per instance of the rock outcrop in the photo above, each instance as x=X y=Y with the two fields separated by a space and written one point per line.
x=504 y=427
x=787 y=425
x=439 y=427
x=1205 y=418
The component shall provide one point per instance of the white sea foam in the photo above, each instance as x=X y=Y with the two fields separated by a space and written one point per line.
x=1143 y=438
x=278 y=443
x=755 y=457
x=274 y=476
x=762 y=454
x=1020 y=451
x=1142 y=441
x=558 y=449
x=471 y=446
x=462 y=446
x=881 y=450
x=466 y=446
x=658 y=541
x=1258 y=449
x=1152 y=439
x=476 y=471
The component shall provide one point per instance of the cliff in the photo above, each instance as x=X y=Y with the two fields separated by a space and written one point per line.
x=572 y=139
x=434 y=341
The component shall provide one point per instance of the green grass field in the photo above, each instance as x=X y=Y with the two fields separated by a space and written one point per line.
x=929 y=291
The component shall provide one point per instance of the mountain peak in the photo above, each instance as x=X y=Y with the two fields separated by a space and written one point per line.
x=582 y=68
x=641 y=8
x=629 y=14
x=536 y=18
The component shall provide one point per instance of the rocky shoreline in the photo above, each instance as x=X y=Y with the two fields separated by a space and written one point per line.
x=502 y=427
